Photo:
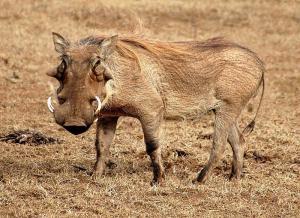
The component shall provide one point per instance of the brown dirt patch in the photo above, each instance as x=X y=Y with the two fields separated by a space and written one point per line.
x=28 y=137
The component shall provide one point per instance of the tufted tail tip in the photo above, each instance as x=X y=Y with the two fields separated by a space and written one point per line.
x=249 y=128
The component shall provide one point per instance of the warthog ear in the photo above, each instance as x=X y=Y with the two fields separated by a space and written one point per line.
x=108 y=46
x=52 y=72
x=60 y=43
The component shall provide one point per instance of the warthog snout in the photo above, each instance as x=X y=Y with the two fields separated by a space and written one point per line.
x=75 y=123
x=76 y=127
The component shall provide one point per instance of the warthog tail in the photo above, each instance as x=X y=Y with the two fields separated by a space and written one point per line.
x=249 y=128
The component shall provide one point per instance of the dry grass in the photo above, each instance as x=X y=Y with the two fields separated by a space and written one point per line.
x=52 y=180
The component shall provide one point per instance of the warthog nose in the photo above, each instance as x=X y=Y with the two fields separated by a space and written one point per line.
x=75 y=127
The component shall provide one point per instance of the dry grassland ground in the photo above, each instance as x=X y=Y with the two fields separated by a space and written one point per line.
x=51 y=179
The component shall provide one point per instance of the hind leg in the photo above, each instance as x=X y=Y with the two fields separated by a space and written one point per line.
x=225 y=118
x=235 y=139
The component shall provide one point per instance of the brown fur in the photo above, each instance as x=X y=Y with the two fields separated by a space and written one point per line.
x=153 y=81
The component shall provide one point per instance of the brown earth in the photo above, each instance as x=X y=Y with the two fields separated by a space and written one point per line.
x=52 y=179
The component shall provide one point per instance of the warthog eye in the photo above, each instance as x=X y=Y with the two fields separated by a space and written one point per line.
x=61 y=99
x=95 y=65
x=61 y=69
x=97 y=70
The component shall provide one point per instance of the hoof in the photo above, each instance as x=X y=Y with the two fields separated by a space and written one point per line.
x=96 y=175
x=202 y=176
x=158 y=181
x=236 y=173
x=235 y=176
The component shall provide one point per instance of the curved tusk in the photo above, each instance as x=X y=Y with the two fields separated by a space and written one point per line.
x=50 y=107
x=99 y=104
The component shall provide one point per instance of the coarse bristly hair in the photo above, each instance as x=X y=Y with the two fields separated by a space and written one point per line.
x=176 y=57
x=169 y=51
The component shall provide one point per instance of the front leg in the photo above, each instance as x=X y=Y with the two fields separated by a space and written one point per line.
x=105 y=132
x=152 y=128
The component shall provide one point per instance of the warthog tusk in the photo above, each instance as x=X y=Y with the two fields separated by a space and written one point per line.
x=99 y=104
x=50 y=107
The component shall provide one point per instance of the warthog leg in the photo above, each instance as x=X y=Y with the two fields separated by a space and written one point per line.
x=151 y=128
x=105 y=132
x=225 y=118
x=234 y=137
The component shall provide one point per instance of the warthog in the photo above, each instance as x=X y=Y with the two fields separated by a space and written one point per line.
x=108 y=77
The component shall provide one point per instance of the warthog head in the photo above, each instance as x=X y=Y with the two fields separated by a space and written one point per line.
x=82 y=77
